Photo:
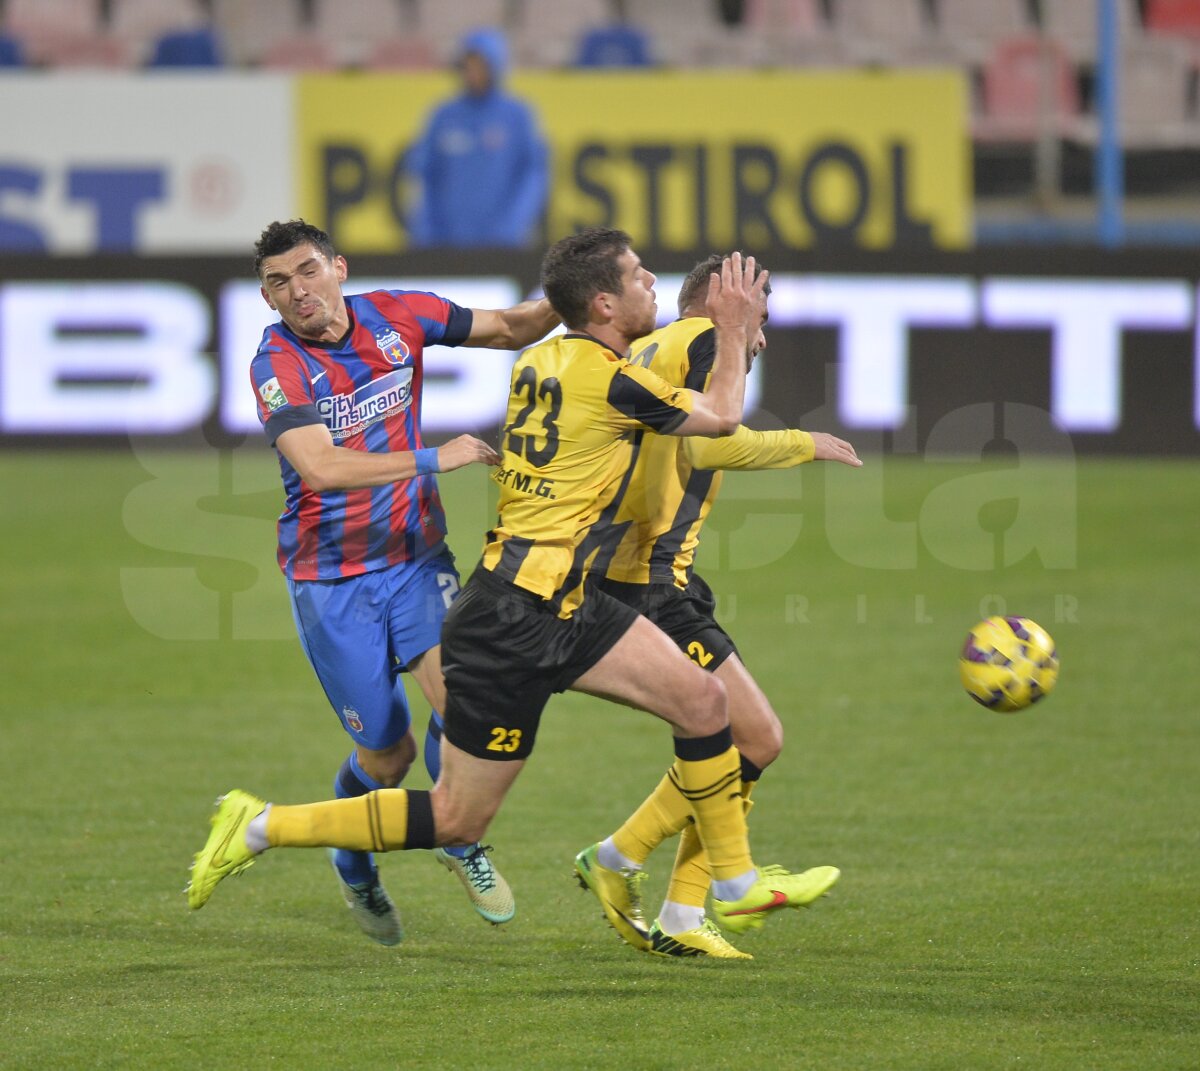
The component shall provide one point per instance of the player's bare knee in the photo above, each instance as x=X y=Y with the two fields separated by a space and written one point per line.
x=389 y=765
x=760 y=742
x=703 y=709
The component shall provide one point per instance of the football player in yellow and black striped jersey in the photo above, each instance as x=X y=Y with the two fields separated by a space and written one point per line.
x=522 y=629
x=672 y=487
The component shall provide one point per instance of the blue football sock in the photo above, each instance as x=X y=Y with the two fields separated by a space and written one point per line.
x=433 y=763
x=356 y=868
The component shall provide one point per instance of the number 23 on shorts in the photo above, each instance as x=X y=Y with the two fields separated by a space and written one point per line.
x=505 y=740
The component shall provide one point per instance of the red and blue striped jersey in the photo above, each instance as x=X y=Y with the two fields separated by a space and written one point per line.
x=366 y=388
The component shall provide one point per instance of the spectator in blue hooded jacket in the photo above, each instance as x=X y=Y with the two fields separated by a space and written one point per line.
x=480 y=166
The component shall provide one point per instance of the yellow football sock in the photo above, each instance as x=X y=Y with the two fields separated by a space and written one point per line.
x=662 y=814
x=691 y=875
x=380 y=821
x=712 y=784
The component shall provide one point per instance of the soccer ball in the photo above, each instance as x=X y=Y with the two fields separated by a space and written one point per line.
x=1007 y=663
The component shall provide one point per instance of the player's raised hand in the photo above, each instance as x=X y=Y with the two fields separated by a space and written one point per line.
x=831 y=448
x=465 y=450
x=735 y=294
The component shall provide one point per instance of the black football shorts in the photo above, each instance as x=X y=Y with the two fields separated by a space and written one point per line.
x=687 y=615
x=505 y=652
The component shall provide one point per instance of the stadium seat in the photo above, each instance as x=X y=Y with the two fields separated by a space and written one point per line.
x=1155 y=86
x=1029 y=85
x=59 y=16
x=666 y=16
x=803 y=18
x=881 y=31
x=1074 y=24
x=186 y=48
x=404 y=52
x=89 y=51
x=682 y=32
x=794 y=33
x=1177 y=20
x=300 y=52
x=971 y=29
x=353 y=29
x=142 y=22
x=249 y=29
x=547 y=33
x=443 y=22
x=1181 y=17
x=43 y=25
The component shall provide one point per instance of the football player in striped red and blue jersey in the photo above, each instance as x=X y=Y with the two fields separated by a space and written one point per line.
x=362 y=536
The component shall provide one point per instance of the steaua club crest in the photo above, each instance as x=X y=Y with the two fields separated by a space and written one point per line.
x=353 y=721
x=394 y=348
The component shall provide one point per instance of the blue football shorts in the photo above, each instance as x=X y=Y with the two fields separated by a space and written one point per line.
x=360 y=633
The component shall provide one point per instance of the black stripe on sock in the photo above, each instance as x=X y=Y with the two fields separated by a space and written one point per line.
x=723 y=784
x=420 y=820
x=374 y=825
x=699 y=748
x=750 y=772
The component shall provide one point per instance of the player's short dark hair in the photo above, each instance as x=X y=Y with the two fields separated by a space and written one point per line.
x=580 y=266
x=695 y=286
x=283 y=235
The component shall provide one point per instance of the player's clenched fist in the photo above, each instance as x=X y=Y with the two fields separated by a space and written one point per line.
x=465 y=450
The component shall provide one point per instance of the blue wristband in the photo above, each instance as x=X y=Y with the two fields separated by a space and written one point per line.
x=427 y=460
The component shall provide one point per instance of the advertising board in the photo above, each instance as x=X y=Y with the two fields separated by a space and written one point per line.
x=941 y=353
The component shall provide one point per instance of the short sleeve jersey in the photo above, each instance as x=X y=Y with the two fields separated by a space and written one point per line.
x=576 y=412
x=366 y=389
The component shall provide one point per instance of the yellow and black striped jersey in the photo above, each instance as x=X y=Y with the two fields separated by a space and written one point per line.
x=576 y=413
x=675 y=480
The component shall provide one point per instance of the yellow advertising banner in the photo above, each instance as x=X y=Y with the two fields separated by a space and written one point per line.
x=682 y=161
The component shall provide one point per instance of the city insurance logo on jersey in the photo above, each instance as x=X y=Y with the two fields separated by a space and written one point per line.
x=351 y=414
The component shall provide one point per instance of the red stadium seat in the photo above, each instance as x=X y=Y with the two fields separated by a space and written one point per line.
x=1029 y=84
x=1180 y=17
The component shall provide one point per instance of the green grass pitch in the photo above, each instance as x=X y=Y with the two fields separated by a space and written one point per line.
x=1018 y=891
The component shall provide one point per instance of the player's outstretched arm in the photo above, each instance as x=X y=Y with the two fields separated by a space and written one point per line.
x=513 y=328
x=755 y=450
x=325 y=466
